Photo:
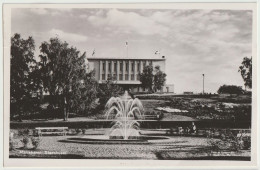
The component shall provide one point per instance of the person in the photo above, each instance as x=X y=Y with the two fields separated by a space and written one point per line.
x=193 y=128
x=180 y=130
x=187 y=130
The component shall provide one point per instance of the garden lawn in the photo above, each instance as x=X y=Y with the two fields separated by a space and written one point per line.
x=151 y=105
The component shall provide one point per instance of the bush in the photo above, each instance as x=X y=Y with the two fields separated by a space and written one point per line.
x=72 y=131
x=25 y=142
x=35 y=142
x=246 y=142
x=11 y=144
x=230 y=89
x=229 y=141
x=23 y=132
x=78 y=131
x=161 y=115
x=35 y=132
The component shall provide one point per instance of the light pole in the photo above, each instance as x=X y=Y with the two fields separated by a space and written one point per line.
x=203 y=83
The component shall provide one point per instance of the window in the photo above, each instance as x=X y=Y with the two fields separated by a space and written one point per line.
x=121 y=66
x=133 y=66
x=115 y=66
x=144 y=63
x=126 y=77
x=114 y=77
x=104 y=66
x=109 y=66
x=103 y=76
x=132 y=77
x=126 y=66
x=138 y=66
x=150 y=62
x=138 y=77
x=120 y=76
x=109 y=76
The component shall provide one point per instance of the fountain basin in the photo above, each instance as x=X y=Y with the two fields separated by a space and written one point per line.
x=109 y=140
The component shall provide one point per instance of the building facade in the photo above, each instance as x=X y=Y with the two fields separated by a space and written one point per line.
x=125 y=71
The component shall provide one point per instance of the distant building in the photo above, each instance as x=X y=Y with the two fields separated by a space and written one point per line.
x=188 y=92
x=168 y=88
x=125 y=71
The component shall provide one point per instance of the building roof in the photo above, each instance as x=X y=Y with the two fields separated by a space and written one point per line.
x=127 y=58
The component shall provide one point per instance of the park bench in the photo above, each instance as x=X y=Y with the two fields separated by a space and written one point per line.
x=172 y=131
x=51 y=130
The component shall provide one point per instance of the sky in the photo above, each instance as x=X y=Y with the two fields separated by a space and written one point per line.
x=194 y=42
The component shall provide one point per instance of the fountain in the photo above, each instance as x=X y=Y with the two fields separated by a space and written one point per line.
x=125 y=112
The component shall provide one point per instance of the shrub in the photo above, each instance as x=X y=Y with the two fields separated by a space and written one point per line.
x=35 y=132
x=78 y=131
x=20 y=132
x=72 y=131
x=246 y=142
x=25 y=142
x=11 y=144
x=23 y=132
x=35 y=142
x=230 y=89
x=161 y=115
x=229 y=141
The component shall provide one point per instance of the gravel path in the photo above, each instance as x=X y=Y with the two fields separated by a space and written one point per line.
x=86 y=146
x=127 y=151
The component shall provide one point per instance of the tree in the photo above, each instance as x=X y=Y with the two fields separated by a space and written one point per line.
x=159 y=78
x=62 y=72
x=22 y=64
x=152 y=81
x=230 y=89
x=246 y=71
x=107 y=90
x=146 y=77
x=85 y=99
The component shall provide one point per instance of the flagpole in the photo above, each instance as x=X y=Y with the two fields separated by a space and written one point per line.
x=203 y=83
x=94 y=52
x=126 y=49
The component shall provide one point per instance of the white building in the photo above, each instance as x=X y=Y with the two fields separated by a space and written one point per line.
x=125 y=71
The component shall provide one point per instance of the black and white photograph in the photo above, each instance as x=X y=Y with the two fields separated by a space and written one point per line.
x=111 y=82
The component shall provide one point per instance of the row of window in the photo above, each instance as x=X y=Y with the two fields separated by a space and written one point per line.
x=127 y=64
x=121 y=76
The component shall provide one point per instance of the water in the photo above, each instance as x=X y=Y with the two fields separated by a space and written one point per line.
x=125 y=112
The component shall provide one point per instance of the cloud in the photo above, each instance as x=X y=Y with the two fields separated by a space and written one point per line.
x=64 y=36
x=50 y=11
x=39 y=11
x=128 y=22
x=83 y=16
x=70 y=37
x=213 y=42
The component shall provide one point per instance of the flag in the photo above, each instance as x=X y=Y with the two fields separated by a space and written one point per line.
x=157 y=52
x=93 y=52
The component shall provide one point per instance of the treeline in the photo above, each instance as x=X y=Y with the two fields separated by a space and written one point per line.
x=230 y=89
x=59 y=70
x=245 y=70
